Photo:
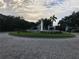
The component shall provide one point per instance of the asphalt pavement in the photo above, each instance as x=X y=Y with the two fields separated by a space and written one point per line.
x=12 y=47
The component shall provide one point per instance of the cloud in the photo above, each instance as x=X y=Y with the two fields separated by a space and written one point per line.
x=2 y=4
x=30 y=8
x=40 y=8
x=33 y=10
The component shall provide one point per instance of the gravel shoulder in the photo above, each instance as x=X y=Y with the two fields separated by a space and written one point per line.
x=12 y=47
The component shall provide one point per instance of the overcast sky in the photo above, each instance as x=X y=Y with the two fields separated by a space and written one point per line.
x=33 y=10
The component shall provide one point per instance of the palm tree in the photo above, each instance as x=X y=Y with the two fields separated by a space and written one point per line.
x=53 y=18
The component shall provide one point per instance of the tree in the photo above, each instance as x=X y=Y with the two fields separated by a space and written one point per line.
x=11 y=23
x=72 y=21
x=53 y=18
x=46 y=23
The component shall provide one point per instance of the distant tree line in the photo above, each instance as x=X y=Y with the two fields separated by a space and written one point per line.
x=11 y=23
x=71 y=21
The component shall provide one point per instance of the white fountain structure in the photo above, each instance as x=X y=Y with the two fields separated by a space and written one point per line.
x=41 y=25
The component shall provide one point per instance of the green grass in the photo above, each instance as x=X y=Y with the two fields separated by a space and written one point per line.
x=43 y=34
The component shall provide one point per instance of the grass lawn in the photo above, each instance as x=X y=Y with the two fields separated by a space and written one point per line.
x=43 y=34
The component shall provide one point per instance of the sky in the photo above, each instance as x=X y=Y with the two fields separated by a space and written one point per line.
x=33 y=10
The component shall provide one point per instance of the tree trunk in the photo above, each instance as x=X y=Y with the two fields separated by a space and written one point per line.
x=52 y=23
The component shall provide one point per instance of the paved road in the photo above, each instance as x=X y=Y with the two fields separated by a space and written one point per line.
x=33 y=48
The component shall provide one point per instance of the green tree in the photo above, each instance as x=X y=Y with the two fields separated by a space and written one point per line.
x=70 y=21
x=46 y=23
x=11 y=23
x=53 y=18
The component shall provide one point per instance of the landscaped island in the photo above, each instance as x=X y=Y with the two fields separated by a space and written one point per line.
x=43 y=34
